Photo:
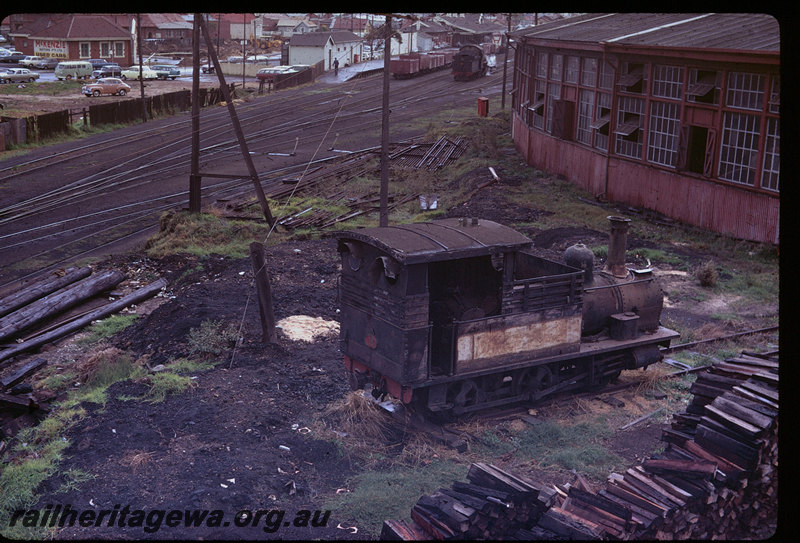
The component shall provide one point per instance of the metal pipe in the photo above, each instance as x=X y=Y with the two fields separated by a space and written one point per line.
x=617 y=246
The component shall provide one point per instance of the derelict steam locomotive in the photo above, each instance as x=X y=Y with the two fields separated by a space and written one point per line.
x=469 y=62
x=456 y=315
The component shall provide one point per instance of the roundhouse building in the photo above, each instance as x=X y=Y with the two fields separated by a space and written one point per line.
x=676 y=113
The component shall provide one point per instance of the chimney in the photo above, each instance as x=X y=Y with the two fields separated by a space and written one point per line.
x=617 y=244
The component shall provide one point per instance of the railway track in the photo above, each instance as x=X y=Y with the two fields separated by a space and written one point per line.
x=60 y=205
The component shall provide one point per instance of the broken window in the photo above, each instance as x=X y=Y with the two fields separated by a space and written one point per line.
x=703 y=86
x=602 y=119
x=632 y=78
x=628 y=131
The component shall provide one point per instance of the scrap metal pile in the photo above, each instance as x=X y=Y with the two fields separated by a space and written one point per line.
x=716 y=479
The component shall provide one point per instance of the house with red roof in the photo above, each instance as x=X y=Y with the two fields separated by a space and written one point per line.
x=76 y=37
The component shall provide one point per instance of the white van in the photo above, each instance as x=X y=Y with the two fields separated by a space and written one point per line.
x=73 y=69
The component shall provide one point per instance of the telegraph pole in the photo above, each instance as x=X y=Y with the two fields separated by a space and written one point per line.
x=505 y=65
x=237 y=127
x=194 y=175
x=387 y=57
x=141 y=61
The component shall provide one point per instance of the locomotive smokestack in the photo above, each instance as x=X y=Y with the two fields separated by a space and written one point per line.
x=617 y=244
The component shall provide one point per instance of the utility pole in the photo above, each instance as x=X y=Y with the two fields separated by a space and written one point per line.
x=387 y=56
x=505 y=65
x=141 y=71
x=237 y=127
x=194 y=175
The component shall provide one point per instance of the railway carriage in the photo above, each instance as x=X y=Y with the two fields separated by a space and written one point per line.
x=456 y=315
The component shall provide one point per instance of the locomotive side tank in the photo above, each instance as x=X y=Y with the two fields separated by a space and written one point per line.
x=456 y=315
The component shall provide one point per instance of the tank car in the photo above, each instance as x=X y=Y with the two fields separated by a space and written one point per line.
x=456 y=315
x=469 y=63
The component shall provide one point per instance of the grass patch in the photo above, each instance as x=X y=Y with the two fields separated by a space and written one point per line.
x=556 y=446
x=378 y=495
x=107 y=327
x=165 y=383
x=203 y=234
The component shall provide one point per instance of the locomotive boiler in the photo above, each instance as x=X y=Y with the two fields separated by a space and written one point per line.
x=456 y=315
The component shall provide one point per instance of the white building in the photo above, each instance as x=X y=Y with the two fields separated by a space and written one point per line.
x=313 y=47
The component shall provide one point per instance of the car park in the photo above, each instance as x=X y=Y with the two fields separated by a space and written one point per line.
x=133 y=73
x=46 y=63
x=166 y=71
x=18 y=75
x=106 y=85
x=108 y=70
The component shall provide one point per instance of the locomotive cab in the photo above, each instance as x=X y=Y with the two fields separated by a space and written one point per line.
x=459 y=314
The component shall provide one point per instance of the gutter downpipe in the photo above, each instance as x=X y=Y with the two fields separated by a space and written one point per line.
x=612 y=119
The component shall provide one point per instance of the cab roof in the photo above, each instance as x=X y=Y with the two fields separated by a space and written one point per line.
x=445 y=239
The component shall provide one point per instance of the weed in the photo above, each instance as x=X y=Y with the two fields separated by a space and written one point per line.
x=163 y=384
x=212 y=338
x=73 y=478
x=707 y=274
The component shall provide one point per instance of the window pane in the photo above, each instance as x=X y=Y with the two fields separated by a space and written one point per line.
x=739 y=148
x=664 y=125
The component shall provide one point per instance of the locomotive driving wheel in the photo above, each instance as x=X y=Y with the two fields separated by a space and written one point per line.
x=467 y=394
x=534 y=380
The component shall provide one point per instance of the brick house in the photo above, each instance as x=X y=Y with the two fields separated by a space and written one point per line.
x=76 y=37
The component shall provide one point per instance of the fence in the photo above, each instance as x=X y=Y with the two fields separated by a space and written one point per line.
x=15 y=131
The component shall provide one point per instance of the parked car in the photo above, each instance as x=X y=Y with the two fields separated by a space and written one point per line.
x=133 y=73
x=109 y=70
x=73 y=69
x=46 y=63
x=208 y=69
x=166 y=71
x=97 y=63
x=29 y=61
x=106 y=85
x=12 y=58
x=18 y=75
x=268 y=74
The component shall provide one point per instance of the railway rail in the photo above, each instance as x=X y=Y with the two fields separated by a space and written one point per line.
x=66 y=203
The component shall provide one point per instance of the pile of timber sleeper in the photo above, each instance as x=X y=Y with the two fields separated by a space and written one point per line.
x=26 y=323
x=716 y=479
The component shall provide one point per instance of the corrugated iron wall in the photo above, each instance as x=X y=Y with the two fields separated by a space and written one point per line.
x=720 y=207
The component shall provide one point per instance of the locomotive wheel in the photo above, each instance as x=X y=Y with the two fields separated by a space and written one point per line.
x=533 y=380
x=469 y=394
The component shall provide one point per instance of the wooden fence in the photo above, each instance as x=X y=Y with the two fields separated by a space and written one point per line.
x=15 y=131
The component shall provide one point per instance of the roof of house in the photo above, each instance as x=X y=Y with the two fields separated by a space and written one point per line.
x=75 y=27
x=319 y=39
x=165 y=20
x=733 y=31
x=236 y=18
x=475 y=23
